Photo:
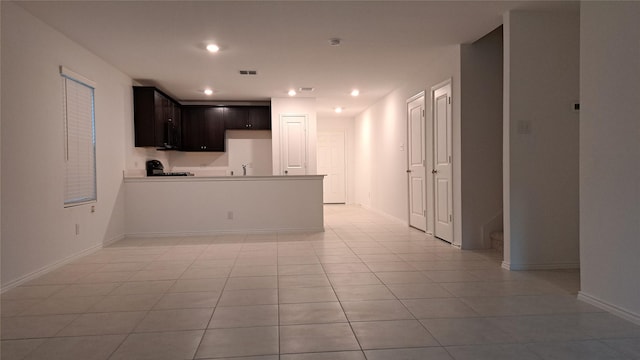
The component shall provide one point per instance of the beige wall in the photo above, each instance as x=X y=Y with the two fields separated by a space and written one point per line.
x=609 y=156
x=381 y=136
x=208 y=206
x=37 y=231
x=481 y=139
x=345 y=125
x=541 y=84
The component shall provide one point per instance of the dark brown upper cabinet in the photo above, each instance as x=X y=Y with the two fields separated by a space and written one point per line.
x=157 y=119
x=203 y=128
x=248 y=118
x=260 y=117
x=161 y=122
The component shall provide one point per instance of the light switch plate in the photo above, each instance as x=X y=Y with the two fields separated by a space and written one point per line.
x=524 y=127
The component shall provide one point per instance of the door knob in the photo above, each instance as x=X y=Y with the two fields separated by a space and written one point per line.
x=434 y=171
x=408 y=171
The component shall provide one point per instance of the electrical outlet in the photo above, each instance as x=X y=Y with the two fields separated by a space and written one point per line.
x=77 y=229
x=230 y=215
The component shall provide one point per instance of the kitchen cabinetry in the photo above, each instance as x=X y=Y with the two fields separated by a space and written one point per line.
x=248 y=118
x=157 y=119
x=161 y=122
x=203 y=128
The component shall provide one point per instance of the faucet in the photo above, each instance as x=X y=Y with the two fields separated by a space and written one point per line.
x=244 y=169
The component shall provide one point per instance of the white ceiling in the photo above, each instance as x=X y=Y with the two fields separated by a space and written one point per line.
x=384 y=43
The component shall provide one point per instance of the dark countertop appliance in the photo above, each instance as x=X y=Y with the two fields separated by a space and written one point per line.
x=155 y=168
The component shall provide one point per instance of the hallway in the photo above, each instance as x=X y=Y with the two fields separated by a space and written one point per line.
x=367 y=288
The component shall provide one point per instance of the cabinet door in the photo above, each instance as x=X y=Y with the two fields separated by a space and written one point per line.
x=192 y=129
x=161 y=109
x=172 y=126
x=177 y=122
x=236 y=118
x=260 y=118
x=144 y=116
x=213 y=131
x=156 y=118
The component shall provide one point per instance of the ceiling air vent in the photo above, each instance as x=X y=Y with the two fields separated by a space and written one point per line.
x=306 y=89
x=248 y=72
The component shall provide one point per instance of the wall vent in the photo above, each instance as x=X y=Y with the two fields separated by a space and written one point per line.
x=248 y=72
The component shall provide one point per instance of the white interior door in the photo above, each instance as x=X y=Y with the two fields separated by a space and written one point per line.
x=442 y=152
x=331 y=162
x=416 y=162
x=293 y=144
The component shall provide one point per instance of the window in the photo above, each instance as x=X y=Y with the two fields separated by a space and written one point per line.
x=79 y=139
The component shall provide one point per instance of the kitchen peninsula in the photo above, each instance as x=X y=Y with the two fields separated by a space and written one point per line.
x=183 y=206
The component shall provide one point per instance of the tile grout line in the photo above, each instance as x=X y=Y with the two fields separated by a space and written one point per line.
x=342 y=307
x=204 y=333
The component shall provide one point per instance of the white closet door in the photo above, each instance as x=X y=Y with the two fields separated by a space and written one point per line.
x=331 y=162
x=416 y=163
x=443 y=175
x=293 y=144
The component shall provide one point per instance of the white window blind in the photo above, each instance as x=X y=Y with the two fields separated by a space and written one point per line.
x=80 y=139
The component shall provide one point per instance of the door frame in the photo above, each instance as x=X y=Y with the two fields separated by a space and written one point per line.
x=282 y=141
x=431 y=161
x=426 y=195
x=344 y=154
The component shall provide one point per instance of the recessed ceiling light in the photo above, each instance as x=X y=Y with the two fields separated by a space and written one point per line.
x=208 y=92
x=355 y=92
x=292 y=92
x=339 y=109
x=212 y=48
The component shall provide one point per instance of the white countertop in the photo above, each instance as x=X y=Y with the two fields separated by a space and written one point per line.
x=139 y=178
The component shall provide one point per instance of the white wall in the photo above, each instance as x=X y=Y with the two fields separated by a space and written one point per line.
x=541 y=136
x=1 y=283
x=381 y=136
x=481 y=131
x=37 y=231
x=345 y=125
x=249 y=147
x=204 y=206
x=294 y=106
x=609 y=153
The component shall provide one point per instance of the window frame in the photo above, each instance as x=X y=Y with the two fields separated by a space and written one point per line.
x=88 y=196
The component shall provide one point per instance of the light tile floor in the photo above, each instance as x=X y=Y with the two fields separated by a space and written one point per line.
x=366 y=288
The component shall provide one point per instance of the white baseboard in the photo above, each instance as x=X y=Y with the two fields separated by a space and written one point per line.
x=223 y=232
x=112 y=240
x=616 y=310
x=388 y=216
x=51 y=267
x=525 y=267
